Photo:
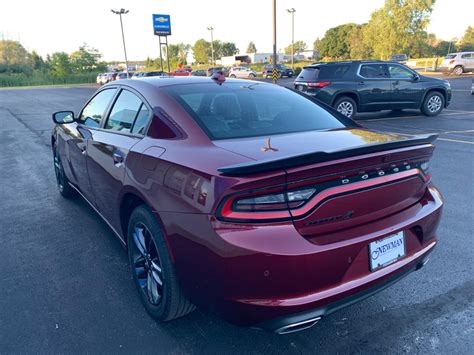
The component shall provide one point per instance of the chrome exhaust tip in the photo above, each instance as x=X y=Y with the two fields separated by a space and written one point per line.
x=296 y=327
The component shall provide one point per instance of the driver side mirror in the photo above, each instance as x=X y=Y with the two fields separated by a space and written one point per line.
x=63 y=117
x=416 y=77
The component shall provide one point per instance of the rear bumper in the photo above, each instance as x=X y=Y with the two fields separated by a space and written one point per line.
x=269 y=276
x=304 y=320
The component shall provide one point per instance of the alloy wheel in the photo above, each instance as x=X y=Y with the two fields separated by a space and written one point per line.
x=434 y=104
x=458 y=71
x=346 y=108
x=146 y=264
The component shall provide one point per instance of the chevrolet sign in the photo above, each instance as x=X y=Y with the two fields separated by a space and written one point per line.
x=161 y=25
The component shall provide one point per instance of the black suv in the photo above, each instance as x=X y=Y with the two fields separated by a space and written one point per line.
x=364 y=86
x=282 y=71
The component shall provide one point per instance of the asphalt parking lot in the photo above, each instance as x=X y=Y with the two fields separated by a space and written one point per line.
x=65 y=284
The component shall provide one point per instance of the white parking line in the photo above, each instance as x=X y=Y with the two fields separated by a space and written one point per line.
x=423 y=117
x=454 y=140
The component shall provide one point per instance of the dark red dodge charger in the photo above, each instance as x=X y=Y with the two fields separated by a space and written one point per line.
x=246 y=198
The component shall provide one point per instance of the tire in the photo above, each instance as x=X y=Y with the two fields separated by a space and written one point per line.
x=346 y=106
x=252 y=76
x=62 y=181
x=232 y=76
x=151 y=264
x=433 y=103
x=458 y=70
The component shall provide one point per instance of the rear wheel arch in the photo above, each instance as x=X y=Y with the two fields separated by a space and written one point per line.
x=128 y=203
x=351 y=95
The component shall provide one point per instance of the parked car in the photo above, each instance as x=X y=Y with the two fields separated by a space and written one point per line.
x=123 y=75
x=242 y=72
x=180 y=72
x=364 y=86
x=399 y=58
x=213 y=70
x=458 y=63
x=108 y=77
x=155 y=73
x=282 y=71
x=199 y=72
x=251 y=200
x=99 y=79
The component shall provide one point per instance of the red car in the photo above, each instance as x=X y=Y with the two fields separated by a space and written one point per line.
x=248 y=199
x=180 y=72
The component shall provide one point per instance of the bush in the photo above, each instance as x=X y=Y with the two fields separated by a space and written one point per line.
x=39 y=78
x=298 y=71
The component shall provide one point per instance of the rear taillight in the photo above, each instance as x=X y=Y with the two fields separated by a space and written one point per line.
x=319 y=84
x=274 y=202
x=451 y=61
x=279 y=204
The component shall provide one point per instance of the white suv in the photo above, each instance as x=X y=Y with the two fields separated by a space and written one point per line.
x=242 y=72
x=458 y=63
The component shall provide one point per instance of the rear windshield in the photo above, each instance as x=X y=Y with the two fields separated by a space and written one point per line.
x=323 y=72
x=450 y=56
x=237 y=110
x=399 y=57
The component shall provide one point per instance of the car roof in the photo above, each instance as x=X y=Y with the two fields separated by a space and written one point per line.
x=161 y=81
x=314 y=65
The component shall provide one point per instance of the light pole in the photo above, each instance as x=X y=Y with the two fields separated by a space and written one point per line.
x=212 y=43
x=120 y=13
x=274 y=70
x=292 y=12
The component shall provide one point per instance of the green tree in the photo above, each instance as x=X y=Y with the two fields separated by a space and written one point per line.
x=251 y=48
x=202 y=51
x=299 y=46
x=36 y=61
x=60 y=64
x=85 y=59
x=227 y=49
x=335 y=42
x=14 y=58
x=358 y=49
x=398 y=27
x=467 y=41
x=443 y=47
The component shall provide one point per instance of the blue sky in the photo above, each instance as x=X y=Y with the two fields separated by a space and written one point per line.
x=51 y=25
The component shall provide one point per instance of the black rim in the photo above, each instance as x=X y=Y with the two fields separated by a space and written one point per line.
x=58 y=172
x=146 y=264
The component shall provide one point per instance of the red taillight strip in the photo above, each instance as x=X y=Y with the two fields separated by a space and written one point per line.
x=226 y=213
x=325 y=194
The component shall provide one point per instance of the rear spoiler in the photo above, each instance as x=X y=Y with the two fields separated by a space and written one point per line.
x=320 y=157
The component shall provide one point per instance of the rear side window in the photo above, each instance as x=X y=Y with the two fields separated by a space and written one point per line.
x=234 y=110
x=333 y=71
x=92 y=114
x=123 y=113
x=309 y=74
x=466 y=56
x=373 y=71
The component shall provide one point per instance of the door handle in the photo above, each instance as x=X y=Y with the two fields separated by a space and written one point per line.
x=396 y=82
x=118 y=158
x=361 y=83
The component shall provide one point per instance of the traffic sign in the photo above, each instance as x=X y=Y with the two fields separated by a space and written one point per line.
x=275 y=74
x=161 y=25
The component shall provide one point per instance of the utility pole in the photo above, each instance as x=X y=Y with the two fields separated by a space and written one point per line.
x=212 y=43
x=120 y=13
x=292 y=12
x=274 y=70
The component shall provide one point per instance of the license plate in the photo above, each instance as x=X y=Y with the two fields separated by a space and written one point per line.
x=386 y=251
